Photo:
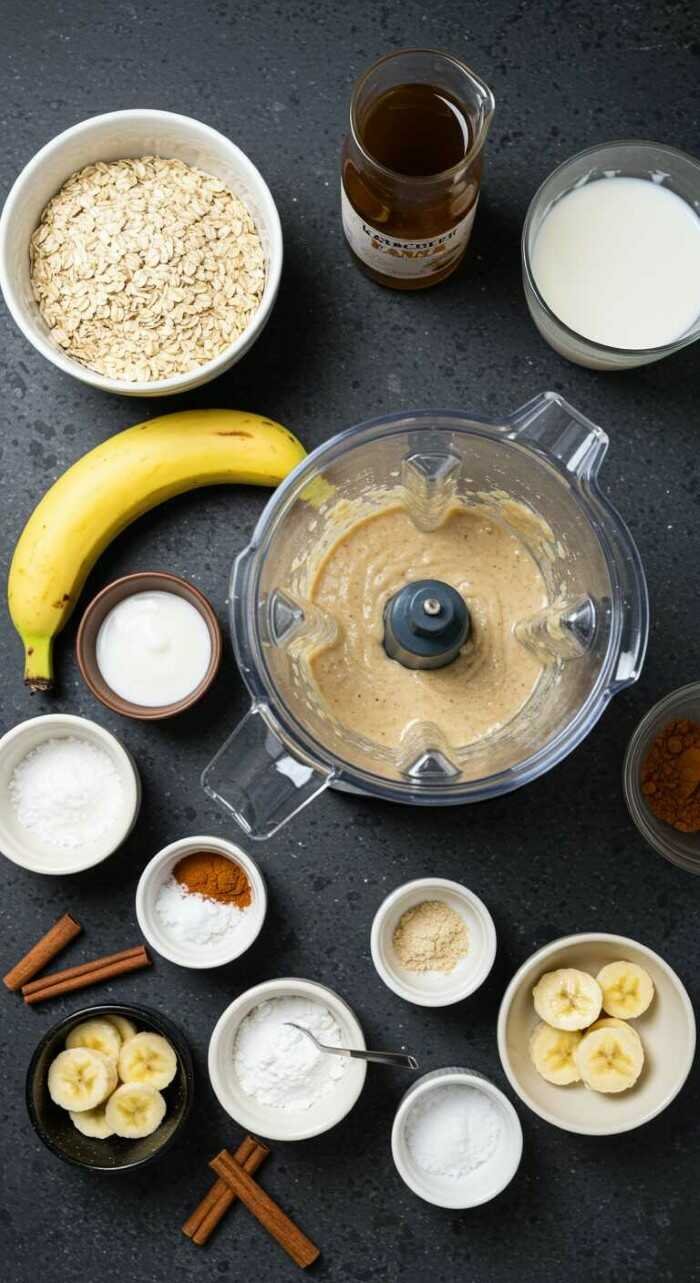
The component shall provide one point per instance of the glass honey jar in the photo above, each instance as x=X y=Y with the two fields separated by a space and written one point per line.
x=411 y=166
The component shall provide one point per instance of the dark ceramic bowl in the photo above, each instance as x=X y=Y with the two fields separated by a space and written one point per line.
x=53 y=1125
x=100 y=606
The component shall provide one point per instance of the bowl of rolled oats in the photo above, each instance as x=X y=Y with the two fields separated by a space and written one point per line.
x=141 y=252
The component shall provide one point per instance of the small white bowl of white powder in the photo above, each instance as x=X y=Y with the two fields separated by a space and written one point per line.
x=456 y=1140
x=69 y=794
x=270 y=1078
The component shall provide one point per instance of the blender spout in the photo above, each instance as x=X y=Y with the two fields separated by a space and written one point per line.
x=260 y=780
x=561 y=433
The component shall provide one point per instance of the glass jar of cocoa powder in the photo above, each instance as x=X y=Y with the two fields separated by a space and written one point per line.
x=411 y=166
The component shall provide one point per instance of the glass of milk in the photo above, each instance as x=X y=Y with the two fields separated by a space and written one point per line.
x=611 y=255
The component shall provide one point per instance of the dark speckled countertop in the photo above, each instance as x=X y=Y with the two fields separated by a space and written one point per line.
x=560 y=856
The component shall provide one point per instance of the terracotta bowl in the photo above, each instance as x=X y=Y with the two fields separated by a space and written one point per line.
x=100 y=606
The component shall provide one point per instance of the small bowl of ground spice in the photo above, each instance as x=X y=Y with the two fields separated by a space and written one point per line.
x=201 y=902
x=662 y=777
x=433 y=942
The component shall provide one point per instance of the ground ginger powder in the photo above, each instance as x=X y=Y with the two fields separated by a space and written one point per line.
x=670 y=776
x=430 y=937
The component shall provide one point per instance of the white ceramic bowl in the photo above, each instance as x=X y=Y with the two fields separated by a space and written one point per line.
x=277 y=1124
x=115 y=136
x=479 y=1186
x=19 y=844
x=199 y=957
x=667 y=1030
x=434 y=988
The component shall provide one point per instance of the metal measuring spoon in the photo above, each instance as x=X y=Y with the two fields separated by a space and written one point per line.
x=398 y=1058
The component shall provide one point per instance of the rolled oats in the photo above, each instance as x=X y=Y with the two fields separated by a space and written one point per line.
x=146 y=268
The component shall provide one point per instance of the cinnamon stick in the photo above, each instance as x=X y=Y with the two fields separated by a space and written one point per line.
x=295 y=1243
x=89 y=973
x=201 y=1224
x=55 y=977
x=38 y=957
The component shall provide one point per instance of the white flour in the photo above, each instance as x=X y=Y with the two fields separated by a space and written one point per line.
x=67 y=792
x=191 y=918
x=280 y=1066
x=452 y=1130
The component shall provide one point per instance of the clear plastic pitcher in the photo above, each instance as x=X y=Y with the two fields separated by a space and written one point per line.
x=591 y=639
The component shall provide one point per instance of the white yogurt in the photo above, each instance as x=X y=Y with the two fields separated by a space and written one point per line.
x=618 y=261
x=153 y=648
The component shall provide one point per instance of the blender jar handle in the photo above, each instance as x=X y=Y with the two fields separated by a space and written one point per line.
x=549 y=424
x=562 y=434
x=259 y=779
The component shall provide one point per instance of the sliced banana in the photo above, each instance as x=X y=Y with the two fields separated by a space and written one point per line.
x=81 y=1078
x=568 y=999
x=125 y=1028
x=610 y=1022
x=92 y=1122
x=627 y=989
x=552 y=1054
x=134 y=1110
x=148 y=1058
x=610 y=1059
x=99 y=1035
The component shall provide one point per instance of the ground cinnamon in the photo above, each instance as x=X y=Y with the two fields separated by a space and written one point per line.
x=670 y=776
x=215 y=876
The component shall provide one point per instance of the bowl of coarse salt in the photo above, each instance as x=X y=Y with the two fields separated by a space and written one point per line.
x=269 y=1076
x=69 y=794
x=456 y=1140
x=201 y=902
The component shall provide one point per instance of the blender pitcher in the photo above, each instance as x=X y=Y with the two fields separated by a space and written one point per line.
x=543 y=462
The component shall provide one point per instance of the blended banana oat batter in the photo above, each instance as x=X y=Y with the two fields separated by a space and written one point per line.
x=492 y=677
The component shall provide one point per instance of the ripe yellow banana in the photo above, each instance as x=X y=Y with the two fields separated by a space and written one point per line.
x=110 y=487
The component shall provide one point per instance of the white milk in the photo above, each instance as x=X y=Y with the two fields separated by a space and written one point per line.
x=618 y=261
x=153 y=648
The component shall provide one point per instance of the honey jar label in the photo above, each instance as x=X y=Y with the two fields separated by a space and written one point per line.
x=393 y=256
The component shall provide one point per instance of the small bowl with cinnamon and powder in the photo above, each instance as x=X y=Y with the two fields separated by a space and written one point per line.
x=661 y=777
x=433 y=942
x=201 y=902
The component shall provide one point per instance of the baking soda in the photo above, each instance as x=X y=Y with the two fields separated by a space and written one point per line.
x=453 y=1130
x=190 y=918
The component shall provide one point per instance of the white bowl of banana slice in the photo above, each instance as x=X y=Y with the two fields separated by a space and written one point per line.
x=596 y=1034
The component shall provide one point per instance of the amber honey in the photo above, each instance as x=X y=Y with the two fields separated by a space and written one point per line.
x=411 y=166
x=415 y=130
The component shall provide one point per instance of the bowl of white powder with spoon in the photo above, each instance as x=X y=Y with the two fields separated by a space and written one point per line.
x=69 y=794
x=456 y=1140
x=270 y=1078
